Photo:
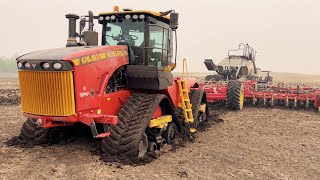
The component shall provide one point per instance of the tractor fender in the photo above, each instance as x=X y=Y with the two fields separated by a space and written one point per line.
x=193 y=82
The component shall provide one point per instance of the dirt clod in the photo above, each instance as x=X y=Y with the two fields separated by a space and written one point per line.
x=9 y=96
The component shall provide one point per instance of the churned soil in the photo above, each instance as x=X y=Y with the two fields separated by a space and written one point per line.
x=256 y=143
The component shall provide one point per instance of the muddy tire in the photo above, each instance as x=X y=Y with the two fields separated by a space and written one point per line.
x=134 y=117
x=197 y=97
x=235 y=95
x=34 y=133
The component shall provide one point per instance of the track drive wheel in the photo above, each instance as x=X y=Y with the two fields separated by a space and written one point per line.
x=129 y=137
x=32 y=131
x=170 y=133
x=235 y=95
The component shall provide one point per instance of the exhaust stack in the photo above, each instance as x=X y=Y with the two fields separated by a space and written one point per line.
x=72 y=41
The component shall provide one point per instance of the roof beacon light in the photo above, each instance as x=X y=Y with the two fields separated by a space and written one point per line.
x=116 y=8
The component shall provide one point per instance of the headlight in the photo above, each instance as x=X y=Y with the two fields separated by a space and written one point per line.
x=57 y=65
x=46 y=65
x=142 y=16
x=19 y=65
x=27 y=65
x=135 y=16
x=128 y=16
x=101 y=18
x=113 y=17
x=107 y=18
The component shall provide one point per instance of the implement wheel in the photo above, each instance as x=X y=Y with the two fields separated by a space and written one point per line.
x=128 y=137
x=32 y=132
x=235 y=95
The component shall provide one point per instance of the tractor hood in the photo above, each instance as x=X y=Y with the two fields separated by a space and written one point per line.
x=55 y=54
x=68 y=57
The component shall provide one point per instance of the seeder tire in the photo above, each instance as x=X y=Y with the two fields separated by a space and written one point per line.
x=129 y=134
x=235 y=95
x=33 y=132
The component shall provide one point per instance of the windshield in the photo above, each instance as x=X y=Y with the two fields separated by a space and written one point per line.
x=125 y=32
x=152 y=51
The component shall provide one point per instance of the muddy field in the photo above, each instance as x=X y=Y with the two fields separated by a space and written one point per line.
x=256 y=143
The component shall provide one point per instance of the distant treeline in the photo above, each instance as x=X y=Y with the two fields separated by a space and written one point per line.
x=8 y=65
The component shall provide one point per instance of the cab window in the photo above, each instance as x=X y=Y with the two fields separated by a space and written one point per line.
x=158 y=49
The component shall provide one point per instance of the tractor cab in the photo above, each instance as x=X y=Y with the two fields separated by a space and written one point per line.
x=149 y=37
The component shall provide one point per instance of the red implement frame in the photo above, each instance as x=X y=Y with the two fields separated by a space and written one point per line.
x=294 y=94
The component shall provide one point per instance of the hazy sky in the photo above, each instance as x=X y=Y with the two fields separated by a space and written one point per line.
x=286 y=33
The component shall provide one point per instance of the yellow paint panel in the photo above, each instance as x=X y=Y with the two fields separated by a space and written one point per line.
x=160 y=122
x=47 y=92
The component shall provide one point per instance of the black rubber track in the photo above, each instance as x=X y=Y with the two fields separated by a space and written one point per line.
x=196 y=99
x=33 y=132
x=134 y=117
x=233 y=95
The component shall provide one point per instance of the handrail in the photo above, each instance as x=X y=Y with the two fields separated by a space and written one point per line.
x=247 y=51
x=184 y=67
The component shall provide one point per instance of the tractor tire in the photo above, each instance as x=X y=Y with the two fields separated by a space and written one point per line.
x=197 y=97
x=235 y=95
x=34 y=133
x=128 y=135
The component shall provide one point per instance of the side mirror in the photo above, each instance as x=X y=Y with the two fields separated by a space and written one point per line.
x=174 y=17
